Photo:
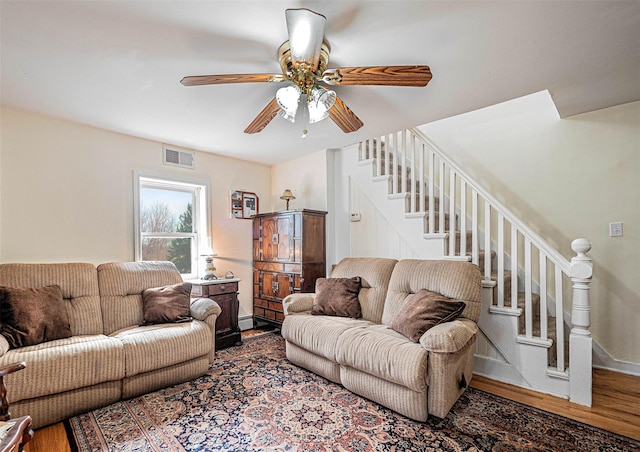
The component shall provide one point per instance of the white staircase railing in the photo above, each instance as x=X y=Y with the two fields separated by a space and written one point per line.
x=530 y=279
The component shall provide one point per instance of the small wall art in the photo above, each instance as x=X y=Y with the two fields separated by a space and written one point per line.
x=244 y=204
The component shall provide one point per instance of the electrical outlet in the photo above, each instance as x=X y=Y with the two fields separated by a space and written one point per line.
x=615 y=229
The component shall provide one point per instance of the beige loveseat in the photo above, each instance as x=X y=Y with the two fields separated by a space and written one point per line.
x=373 y=360
x=109 y=355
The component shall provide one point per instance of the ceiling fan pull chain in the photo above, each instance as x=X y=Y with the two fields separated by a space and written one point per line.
x=304 y=115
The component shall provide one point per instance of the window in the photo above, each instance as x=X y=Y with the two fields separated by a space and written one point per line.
x=171 y=220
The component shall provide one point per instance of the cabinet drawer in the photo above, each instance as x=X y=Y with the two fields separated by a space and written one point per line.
x=275 y=266
x=215 y=289
x=260 y=302
x=275 y=306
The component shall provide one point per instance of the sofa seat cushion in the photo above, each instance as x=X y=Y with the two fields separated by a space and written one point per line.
x=64 y=365
x=384 y=353
x=151 y=347
x=318 y=334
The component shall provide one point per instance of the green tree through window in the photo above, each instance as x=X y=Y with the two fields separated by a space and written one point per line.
x=179 y=251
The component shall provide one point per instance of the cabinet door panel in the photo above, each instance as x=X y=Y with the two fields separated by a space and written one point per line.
x=224 y=321
x=268 y=239
x=276 y=285
x=285 y=232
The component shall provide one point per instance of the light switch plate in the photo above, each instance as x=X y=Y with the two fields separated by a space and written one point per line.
x=615 y=229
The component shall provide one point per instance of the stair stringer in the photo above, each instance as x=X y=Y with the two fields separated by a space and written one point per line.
x=501 y=329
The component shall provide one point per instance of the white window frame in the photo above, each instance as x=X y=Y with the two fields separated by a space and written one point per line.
x=201 y=215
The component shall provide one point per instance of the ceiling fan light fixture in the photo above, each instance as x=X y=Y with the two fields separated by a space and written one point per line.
x=320 y=101
x=306 y=33
x=287 y=98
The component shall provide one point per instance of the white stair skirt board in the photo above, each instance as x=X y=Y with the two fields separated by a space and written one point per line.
x=499 y=371
x=391 y=209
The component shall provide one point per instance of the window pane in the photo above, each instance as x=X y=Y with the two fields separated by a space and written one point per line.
x=165 y=210
x=178 y=251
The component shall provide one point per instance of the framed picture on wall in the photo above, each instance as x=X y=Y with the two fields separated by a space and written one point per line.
x=244 y=204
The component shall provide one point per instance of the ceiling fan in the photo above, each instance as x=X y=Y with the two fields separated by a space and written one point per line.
x=303 y=60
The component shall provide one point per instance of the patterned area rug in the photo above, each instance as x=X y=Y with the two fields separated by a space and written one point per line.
x=254 y=399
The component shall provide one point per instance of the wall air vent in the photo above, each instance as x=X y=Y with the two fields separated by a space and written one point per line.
x=178 y=157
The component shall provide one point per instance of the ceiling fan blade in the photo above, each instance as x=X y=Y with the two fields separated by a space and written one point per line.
x=195 y=80
x=344 y=117
x=379 y=75
x=264 y=117
x=306 y=33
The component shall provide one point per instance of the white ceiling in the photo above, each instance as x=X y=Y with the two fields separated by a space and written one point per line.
x=117 y=64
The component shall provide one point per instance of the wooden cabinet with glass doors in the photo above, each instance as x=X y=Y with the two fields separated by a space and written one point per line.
x=289 y=254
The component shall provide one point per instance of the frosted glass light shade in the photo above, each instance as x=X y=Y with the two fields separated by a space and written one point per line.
x=306 y=33
x=321 y=100
x=287 y=99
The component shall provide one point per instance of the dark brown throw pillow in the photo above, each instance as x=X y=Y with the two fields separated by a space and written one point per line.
x=167 y=304
x=424 y=310
x=32 y=315
x=337 y=297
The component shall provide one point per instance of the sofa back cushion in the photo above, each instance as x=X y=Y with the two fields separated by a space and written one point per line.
x=79 y=285
x=374 y=276
x=455 y=280
x=121 y=285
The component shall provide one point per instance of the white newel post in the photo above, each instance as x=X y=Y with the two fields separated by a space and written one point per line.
x=580 y=342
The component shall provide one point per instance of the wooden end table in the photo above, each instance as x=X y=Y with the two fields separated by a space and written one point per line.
x=19 y=434
x=225 y=293
x=19 y=430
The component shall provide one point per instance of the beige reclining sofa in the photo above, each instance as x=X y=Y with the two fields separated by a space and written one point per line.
x=369 y=357
x=110 y=354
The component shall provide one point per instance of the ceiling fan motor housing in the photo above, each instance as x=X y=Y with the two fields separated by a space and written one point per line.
x=301 y=74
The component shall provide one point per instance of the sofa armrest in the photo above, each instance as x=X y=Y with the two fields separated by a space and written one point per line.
x=449 y=337
x=298 y=302
x=4 y=345
x=201 y=308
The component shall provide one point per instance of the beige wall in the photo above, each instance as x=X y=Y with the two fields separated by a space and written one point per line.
x=67 y=195
x=566 y=178
x=306 y=177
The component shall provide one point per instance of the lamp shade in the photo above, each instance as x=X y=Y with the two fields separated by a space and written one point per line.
x=287 y=195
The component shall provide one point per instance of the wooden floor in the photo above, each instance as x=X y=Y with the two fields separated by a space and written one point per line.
x=616 y=407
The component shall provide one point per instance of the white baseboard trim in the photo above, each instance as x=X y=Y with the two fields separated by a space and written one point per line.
x=245 y=322
x=602 y=360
